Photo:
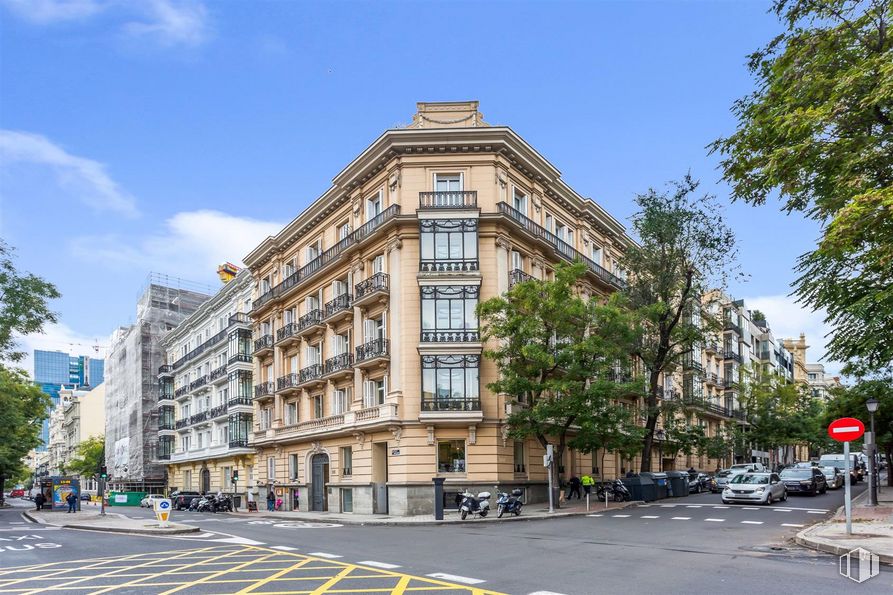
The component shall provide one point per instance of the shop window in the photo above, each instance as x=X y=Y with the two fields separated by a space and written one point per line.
x=451 y=456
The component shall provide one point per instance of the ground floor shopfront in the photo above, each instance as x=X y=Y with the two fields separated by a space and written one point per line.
x=215 y=475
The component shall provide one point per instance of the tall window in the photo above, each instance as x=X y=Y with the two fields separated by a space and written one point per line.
x=448 y=188
x=374 y=392
x=291 y=413
x=451 y=383
x=520 y=461
x=318 y=411
x=517 y=261
x=519 y=201
x=343 y=230
x=346 y=461
x=293 y=466
x=448 y=312
x=595 y=253
x=340 y=400
x=187 y=480
x=374 y=328
x=271 y=469
x=374 y=206
x=312 y=355
x=239 y=427
x=378 y=264
x=449 y=245
x=266 y=418
x=451 y=456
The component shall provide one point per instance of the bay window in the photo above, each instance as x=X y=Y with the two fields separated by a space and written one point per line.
x=448 y=313
x=451 y=383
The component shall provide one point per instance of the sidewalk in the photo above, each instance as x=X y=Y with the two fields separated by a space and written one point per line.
x=111 y=522
x=531 y=512
x=872 y=528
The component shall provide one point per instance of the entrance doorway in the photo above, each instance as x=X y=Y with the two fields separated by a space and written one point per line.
x=319 y=482
x=206 y=481
x=380 y=478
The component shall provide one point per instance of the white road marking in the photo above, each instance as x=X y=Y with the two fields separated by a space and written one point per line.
x=596 y=515
x=650 y=516
x=681 y=518
x=324 y=555
x=384 y=565
x=667 y=505
x=285 y=548
x=693 y=506
x=782 y=510
x=455 y=578
x=751 y=522
x=545 y=593
x=749 y=508
x=715 y=520
x=238 y=540
x=790 y=525
x=815 y=512
x=620 y=516
x=720 y=507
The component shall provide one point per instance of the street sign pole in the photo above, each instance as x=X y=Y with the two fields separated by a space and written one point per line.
x=547 y=461
x=846 y=496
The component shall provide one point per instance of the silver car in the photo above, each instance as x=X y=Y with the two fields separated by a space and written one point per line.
x=833 y=476
x=764 y=488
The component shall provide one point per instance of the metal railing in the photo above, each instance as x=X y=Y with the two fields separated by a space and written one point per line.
x=728 y=325
x=165 y=369
x=338 y=363
x=287 y=381
x=373 y=349
x=201 y=349
x=265 y=342
x=198 y=417
x=181 y=391
x=240 y=357
x=561 y=247
x=451 y=404
x=436 y=336
x=234 y=401
x=198 y=382
x=339 y=304
x=448 y=265
x=732 y=355
x=286 y=331
x=218 y=410
x=518 y=276
x=263 y=389
x=455 y=199
x=309 y=373
x=218 y=372
x=240 y=443
x=377 y=282
x=312 y=318
x=181 y=423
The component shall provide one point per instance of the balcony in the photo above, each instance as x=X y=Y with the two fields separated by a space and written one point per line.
x=165 y=425
x=310 y=323
x=728 y=325
x=218 y=374
x=518 y=276
x=711 y=347
x=166 y=396
x=264 y=389
x=732 y=355
x=198 y=382
x=166 y=371
x=215 y=450
x=561 y=248
x=288 y=384
x=340 y=365
x=263 y=345
x=238 y=403
x=447 y=410
x=199 y=418
x=218 y=411
x=210 y=343
x=690 y=365
x=339 y=308
x=181 y=423
x=240 y=361
x=435 y=336
x=448 y=265
x=181 y=392
x=730 y=384
x=372 y=289
x=240 y=320
x=372 y=353
x=310 y=375
x=288 y=334
x=342 y=424
x=325 y=259
x=240 y=443
x=458 y=199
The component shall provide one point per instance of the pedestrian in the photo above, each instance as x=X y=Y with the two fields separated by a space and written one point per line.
x=271 y=500
x=692 y=473
x=587 y=483
x=630 y=473
x=278 y=503
x=39 y=499
x=72 y=500
x=574 y=484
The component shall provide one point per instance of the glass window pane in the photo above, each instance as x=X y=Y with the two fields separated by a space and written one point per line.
x=457 y=379
x=428 y=383
x=428 y=314
x=471 y=383
x=441 y=245
x=471 y=318
x=455 y=244
x=471 y=245
x=456 y=314
x=427 y=246
x=443 y=383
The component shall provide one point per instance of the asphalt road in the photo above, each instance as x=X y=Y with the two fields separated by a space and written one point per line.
x=687 y=545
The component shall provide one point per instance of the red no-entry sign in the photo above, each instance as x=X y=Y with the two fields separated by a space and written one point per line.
x=846 y=429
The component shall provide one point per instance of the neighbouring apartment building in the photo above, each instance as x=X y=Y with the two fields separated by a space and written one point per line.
x=369 y=375
x=57 y=370
x=205 y=406
x=83 y=418
x=132 y=387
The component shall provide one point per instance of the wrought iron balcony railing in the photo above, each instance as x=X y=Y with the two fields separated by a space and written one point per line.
x=338 y=363
x=265 y=342
x=517 y=276
x=310 y=319
x=448 y=265
x=339 y=304
x=313 y=372
x=263 y=389
x=287 y=331
x=377 y=282
x=451 y=404
x=373 y=349
x=287 y=381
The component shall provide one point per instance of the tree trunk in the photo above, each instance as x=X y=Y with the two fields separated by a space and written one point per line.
x=651 y=423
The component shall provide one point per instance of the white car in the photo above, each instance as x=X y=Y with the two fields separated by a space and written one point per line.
x=745 y=467
x=149 y=501
x=764 y=488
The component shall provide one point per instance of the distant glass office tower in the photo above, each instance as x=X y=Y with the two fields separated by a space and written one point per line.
x=54 y=370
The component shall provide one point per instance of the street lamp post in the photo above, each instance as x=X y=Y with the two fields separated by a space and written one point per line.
x=872 y=405
x=660 y=435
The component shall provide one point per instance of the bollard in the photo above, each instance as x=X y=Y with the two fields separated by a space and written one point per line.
x=587 y=502
x=438 y=498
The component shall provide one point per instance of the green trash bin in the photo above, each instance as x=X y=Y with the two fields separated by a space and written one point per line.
x=126 y=498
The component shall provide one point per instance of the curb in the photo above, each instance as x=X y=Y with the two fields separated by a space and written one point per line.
x=133 y=531
x=427 y=523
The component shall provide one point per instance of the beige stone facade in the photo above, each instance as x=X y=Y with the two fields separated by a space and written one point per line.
x=369 y=378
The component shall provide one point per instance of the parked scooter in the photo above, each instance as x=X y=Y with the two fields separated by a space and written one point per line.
x=615 y=490
x=222 y=503
x=204 y=504
x=194 y=503
x=509 y=503
x=479 y=505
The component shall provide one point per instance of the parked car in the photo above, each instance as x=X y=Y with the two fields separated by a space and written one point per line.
x=182 y=500
x=745 y=467
x=833 y=477
x=700 y=483
x=764 y=488
x=149 y=500
x=86 y=497
x=804 y=481
x=722 y=480
x=17 y=493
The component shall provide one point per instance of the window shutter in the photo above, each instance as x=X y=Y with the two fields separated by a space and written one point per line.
x=369 y=330
x=384 y=324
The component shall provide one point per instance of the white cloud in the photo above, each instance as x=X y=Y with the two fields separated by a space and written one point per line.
x=787 y=319
x=87 y=179
x=59 y=337
x=191 y=245
x=45 y=12
x=172 y=23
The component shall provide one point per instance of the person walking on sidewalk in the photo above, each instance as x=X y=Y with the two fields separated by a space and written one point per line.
x=574 y=484
x=39 y=499
x=587 y=483
x=271 y=500
x=72 y=500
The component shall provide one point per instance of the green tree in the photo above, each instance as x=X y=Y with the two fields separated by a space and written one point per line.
x=559 y=357
x=24 y=307
x=23 y=407
x=90 y=456
x=817 y=132
x=684 y=250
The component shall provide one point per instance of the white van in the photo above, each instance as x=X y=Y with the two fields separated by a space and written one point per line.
x=837 y=460
x=748 y=467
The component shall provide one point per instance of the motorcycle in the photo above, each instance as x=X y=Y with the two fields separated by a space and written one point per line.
x=509 y=503
x=615 y=490
x=479 y=505
x=222 y=503
x=193 y=504
x=204 y=505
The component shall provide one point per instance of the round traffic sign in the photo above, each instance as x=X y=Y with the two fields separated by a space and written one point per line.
x=846 y=429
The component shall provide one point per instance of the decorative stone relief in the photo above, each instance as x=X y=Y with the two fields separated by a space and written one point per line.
x=430 y=435
x=501 y=178
x=397 y=431
x=394 y=244
x=472 y=434
x=361 y=438
x=394 y=180
x=505 y=433
x=503 y=242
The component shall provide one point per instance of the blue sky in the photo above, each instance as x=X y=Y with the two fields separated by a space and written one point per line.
x=170 y=135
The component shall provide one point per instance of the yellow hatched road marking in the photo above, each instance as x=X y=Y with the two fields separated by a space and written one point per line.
x=221 y=573
x=324 y=588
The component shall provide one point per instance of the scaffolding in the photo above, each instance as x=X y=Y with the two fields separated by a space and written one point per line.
x=132 y=388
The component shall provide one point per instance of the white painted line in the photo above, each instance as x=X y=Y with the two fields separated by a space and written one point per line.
x=749 y=508
x=720 y=507
x=384 y=565
x=693 y=506
x=456 y=578
x=17 y=523
x=667 y=505
x=841 y=429
x=545 y=593
x=238 y=540
x=650 y=516
x=324 y=555
x=815 y=512
x=751 y=522
x=782 y=510
x=596 y=515
x=285 y=548
x=681 y=518
x=715 y=520
x=620 y=516
x=791 y=525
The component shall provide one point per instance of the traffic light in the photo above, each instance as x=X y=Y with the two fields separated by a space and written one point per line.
x=103 y=472
x=235 y=475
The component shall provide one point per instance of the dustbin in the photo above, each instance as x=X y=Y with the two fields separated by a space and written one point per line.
x=678 y=482
x=660 y=483
x=641 y=488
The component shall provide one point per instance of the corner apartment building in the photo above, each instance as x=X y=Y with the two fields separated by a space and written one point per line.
x=369 y=375
x=205 y=406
